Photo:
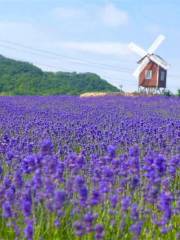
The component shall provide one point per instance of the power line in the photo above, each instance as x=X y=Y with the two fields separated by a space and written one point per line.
x=56 y=56
x=109 y=67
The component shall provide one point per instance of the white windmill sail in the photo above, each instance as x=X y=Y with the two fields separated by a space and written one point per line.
x=156 y=44
x=135 y=48
x=159 y=62
x=141 y=67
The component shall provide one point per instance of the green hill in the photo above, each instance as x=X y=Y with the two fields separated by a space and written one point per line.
x=22 y=78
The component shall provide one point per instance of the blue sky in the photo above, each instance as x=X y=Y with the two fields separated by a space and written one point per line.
x=91 y=35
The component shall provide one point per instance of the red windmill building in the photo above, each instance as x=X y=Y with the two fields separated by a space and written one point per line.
x=152 y=69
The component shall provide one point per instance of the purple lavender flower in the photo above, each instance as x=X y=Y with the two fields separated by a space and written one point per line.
x=88 y=221
x=114 y=200
x=59 y=155
x=57 y=223
x=83 y=192
x=7 y=209
x=79 y=228
x=60 y=197
x=108 y=172
x=165 y=200
x=7 y=182
x=160 y=165
x=134 y=211
x=79 y=181
x=136 y=228
x=26 y=207
x=111 y=151
x=18 y=179
x=96 y=197
x=165 y=230
x=1 y=170
x=10 y=193
x=134 y=151
x=37 y=180
x=47 y=147
x=125 y=203
x=99 y=229
x=29 y=230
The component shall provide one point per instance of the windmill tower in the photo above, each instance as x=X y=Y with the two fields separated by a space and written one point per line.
x=152 y=70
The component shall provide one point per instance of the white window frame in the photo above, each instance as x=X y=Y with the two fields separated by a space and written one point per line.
x=148 y=74
x=162 y=76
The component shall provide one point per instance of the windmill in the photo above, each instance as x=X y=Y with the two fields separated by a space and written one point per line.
x=152 y=70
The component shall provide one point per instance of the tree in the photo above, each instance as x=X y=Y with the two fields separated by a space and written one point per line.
x=178 y=92
x=168 y=93
x=121 y=88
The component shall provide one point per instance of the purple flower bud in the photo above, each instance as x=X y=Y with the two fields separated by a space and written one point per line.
x=165 y=201
x=160 y=165
x=83 y=192
x=125 y=203
x=111 y=151
x=7 y=182
x=108 y=172
x=165 y=230
x=79 y=228
x=134 y=211
x=18 y=179
x=7 y=211
x=47 y=147
x=134 y=151
x=135 y=182
x=27 y=207
x=10 y=194
x=136 y=228
x=57 y=223
x=29 y=230
x=96 y=197
x=79 y=181
x=60 y=197
x=88 y=218
x=1 y=170
x=99 y=228
x=114 y=200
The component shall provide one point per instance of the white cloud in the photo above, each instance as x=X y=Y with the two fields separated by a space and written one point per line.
x=103 y=48
x=20 y=32
x=113 y=16
x=67 y=13
x=107 y=14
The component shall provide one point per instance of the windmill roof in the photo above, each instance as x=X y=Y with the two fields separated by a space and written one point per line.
x=160 y=59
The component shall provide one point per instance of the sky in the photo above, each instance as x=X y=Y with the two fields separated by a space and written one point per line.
x=91 y=35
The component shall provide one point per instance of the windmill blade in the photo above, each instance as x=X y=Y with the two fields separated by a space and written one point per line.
x=159 y=61
x=156 y=44
x=135 y=48
x=141 y=67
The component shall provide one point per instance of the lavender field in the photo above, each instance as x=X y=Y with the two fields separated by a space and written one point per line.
x=89 y=168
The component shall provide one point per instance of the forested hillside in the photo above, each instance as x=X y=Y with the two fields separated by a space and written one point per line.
x=22 y=78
